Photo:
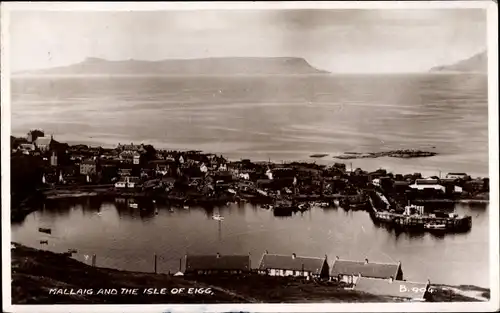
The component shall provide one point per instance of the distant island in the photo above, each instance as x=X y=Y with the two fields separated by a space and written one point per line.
x=476 y=63
x=403 y=154
x=206 y=66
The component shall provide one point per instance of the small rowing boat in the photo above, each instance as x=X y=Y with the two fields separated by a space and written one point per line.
x=218 y=217
x=45 y=230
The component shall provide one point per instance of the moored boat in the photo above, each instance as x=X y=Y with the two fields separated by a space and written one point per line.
x=218 y=217
x=432 y=226
x=45 y=230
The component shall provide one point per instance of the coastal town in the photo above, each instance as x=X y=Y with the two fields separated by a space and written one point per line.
x=44 y=168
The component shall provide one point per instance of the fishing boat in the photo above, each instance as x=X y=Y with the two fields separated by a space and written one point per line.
x=45 y=230
x=303 y=207
x=432 y=226
x=132 y=204
x=218 y=217
x=324 y=204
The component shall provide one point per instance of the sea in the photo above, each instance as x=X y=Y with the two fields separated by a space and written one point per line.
x=277 y=118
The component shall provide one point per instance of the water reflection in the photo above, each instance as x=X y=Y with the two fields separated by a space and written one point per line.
x=124 y=237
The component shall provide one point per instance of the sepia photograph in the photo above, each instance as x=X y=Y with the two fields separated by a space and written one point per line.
x=319 y=156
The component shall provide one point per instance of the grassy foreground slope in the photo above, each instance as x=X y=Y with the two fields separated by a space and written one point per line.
x=35 y=272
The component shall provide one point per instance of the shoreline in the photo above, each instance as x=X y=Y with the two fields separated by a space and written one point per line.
x=88 y=191
x=32 y=268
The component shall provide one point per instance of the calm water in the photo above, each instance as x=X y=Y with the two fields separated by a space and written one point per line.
x=281 y=118
x=122 y=238
x=277 y=118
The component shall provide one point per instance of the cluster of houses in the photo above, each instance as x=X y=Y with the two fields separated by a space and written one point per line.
x=384 y=279
x=414 y=186
x=140 y=166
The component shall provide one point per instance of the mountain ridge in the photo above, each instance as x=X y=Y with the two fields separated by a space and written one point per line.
x=200 y=66
x=476 y=63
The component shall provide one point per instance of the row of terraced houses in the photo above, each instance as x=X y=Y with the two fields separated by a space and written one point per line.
x=384 y=279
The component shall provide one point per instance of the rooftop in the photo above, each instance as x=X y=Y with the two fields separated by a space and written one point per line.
x=217 y=262
x=426 y=182
x=396 y=288
x=367 y=269
x=291 y=262
x=43 y=140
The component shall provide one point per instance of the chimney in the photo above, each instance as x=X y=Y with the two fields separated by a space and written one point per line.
x=337 y=257
x=366 y=261
x=391 y=279
x=359 y=275
x=267 y=252
x=294 y=256
x=218 y=255
x=326 y=257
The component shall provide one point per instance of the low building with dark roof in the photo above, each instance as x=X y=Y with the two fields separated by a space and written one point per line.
x=217 y=264
x=348 y=271
x=293 y=265
x=412 y=291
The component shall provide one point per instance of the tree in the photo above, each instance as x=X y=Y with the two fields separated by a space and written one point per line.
x=150 y=152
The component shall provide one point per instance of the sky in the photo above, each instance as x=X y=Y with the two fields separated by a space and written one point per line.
x=336 y=40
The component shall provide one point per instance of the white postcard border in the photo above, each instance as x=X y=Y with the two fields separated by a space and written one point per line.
x=492 y=14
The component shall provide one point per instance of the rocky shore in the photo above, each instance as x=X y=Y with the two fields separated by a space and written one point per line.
x=403 y=154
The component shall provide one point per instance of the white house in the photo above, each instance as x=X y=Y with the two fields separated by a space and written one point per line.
x=161 y=169
x=426 y=184
x=27 y=148
x=203 y=168
x=43 y=143
x=348 y=271
x=293 y=265
x=127 y=182
x=269 y=174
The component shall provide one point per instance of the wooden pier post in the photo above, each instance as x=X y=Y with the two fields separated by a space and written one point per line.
x=180 y=264
x=94 y=257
